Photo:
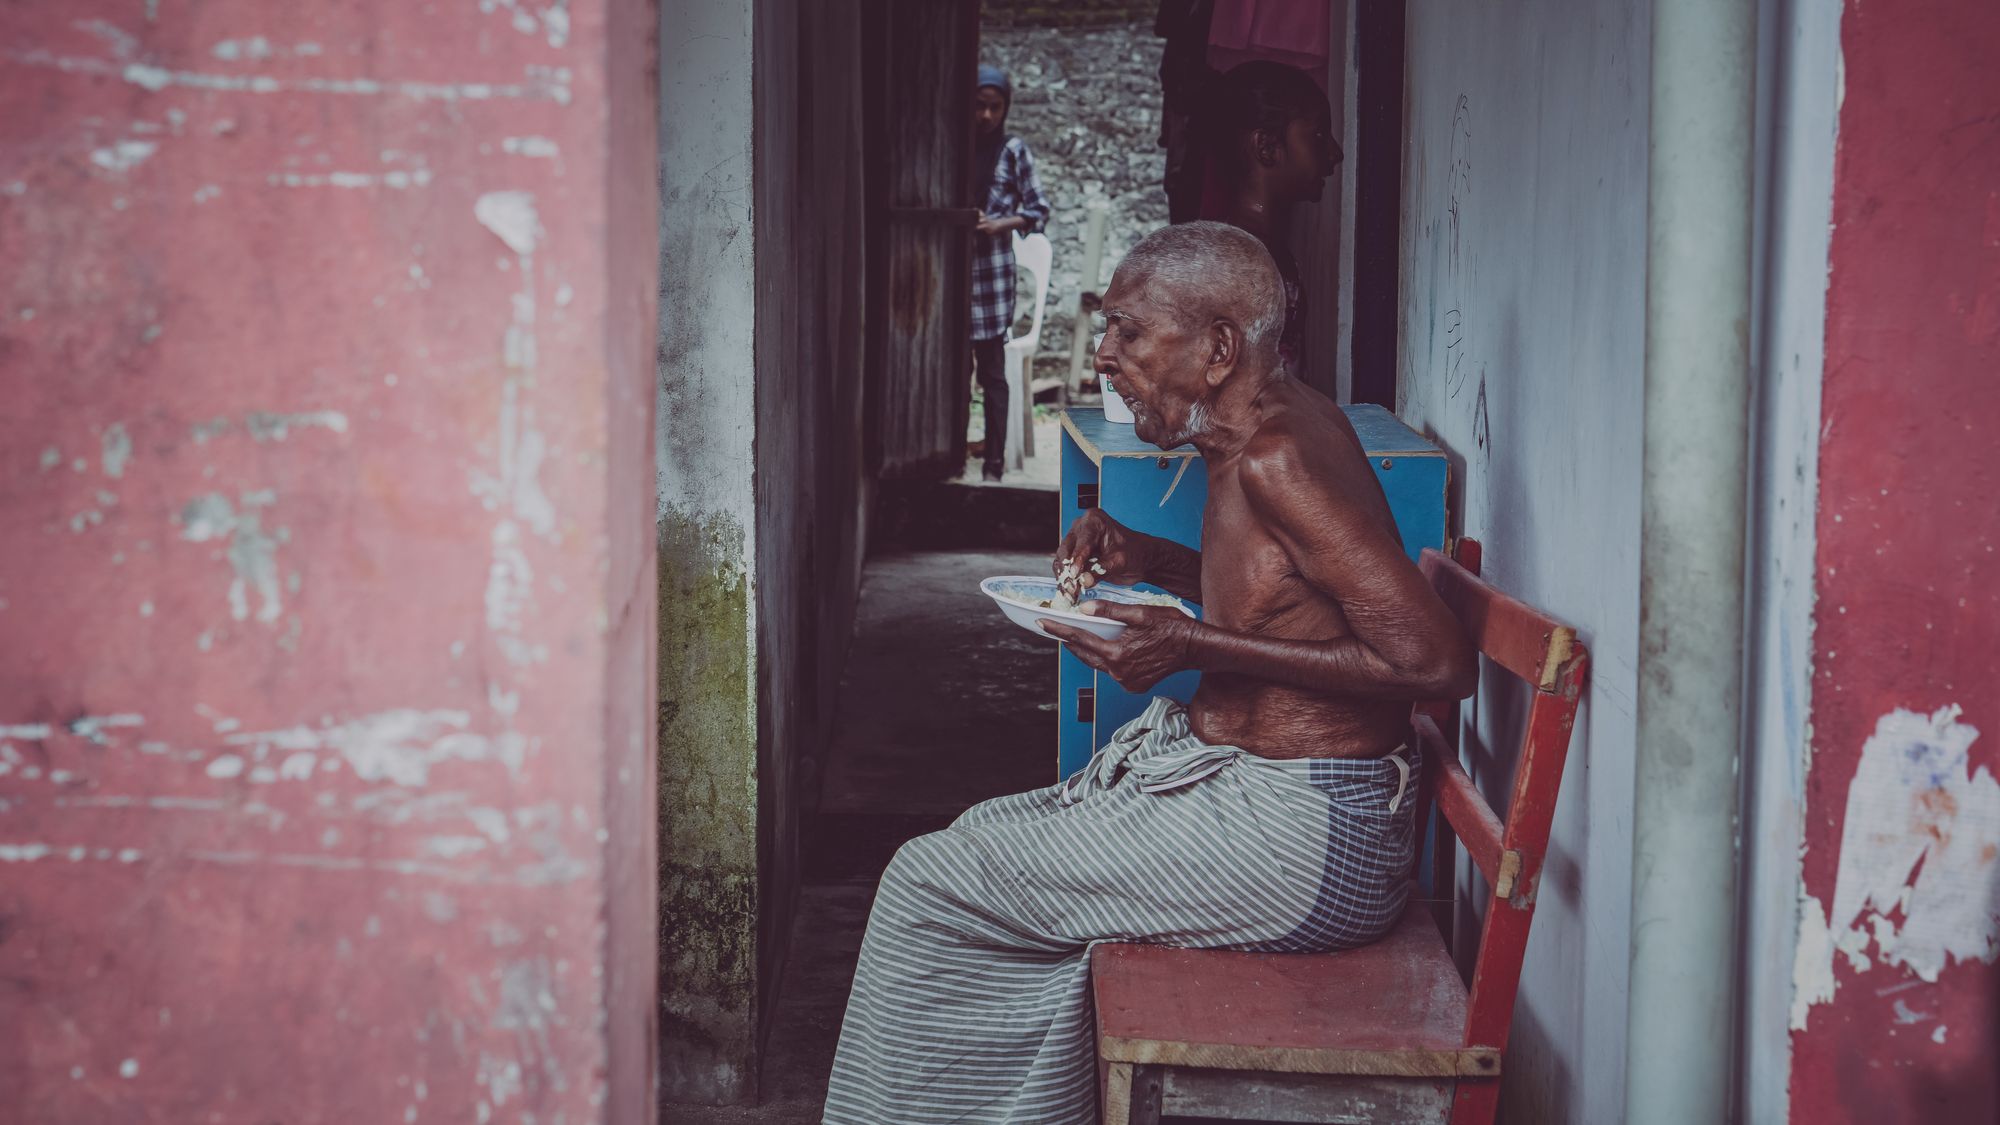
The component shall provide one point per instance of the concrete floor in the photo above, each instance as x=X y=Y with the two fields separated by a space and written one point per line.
x=944 y=703
x=1042 y=471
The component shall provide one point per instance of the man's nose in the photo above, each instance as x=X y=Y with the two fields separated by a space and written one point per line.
x=1101 y=359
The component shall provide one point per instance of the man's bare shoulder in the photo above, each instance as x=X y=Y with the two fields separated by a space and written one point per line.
x=1297 y=444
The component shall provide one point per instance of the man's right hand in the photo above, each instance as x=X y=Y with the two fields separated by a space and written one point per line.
x=1121 y=554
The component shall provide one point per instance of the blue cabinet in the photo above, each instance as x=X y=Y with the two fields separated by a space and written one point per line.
x=1105 y=465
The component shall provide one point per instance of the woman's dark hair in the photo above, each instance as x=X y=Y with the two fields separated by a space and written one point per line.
x=1259 y=94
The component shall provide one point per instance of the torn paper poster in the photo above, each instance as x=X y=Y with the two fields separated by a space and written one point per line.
x=1917 y=854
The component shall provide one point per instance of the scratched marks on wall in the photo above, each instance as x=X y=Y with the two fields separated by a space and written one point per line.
x=1453 y=291
x=1482 y=435
x=1447 y=314
x=1447 y=320
x=1458 y=269
x=1440 y=244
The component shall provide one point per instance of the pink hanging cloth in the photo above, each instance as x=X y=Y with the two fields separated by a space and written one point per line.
x=1293 y=32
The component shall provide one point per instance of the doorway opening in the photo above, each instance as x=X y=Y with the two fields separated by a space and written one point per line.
x=899 y=695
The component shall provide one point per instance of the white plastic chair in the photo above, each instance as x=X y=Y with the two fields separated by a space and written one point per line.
x=1034 y=254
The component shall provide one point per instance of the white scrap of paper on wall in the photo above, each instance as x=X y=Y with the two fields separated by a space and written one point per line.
x=1918 y=877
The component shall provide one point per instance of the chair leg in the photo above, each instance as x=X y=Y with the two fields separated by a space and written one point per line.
x=1147 y=1083
x=1476 y=1102
x=1028 y=405
x=1118 y=1094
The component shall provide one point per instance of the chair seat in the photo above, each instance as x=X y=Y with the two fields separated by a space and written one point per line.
x=1396 y=1007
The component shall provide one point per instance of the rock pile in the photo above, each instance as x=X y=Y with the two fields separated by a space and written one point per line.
x=1065 y=13
x=1088 y=104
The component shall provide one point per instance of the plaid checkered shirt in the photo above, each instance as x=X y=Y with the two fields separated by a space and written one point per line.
x=1015 y=191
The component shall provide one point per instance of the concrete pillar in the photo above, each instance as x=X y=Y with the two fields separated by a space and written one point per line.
x=324 y=473
x=1687 y=754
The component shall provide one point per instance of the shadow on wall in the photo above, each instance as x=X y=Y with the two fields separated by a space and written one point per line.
x=1454 y=501
x=1538 y=1081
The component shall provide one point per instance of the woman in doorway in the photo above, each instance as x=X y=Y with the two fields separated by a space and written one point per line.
x=1010 y=200
x=1270 y=135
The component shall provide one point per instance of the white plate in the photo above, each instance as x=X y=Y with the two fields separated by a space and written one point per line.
x=1005 y=589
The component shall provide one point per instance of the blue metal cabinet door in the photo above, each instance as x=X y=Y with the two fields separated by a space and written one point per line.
x=1076 y=691
x=1079 y=482
x=1075 y=680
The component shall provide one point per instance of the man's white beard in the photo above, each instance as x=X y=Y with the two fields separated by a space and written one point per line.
x=1197 y=424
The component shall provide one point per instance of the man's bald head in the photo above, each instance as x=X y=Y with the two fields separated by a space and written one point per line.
x=1204 y=272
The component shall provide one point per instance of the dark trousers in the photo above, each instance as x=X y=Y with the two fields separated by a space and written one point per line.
x=989 y=359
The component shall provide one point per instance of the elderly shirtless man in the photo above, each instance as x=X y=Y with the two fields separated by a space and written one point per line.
x=1272 y=813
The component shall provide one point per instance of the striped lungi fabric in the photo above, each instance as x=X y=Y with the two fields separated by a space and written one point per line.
x=972 y=1002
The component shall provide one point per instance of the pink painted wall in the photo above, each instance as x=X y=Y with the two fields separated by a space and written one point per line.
x=1908 y=610
x=327 y=503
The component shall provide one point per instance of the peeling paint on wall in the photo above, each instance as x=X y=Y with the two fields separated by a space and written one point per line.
x=397 y=179
x=123 y=156
x=550 y=21
x=265 y=425
x=373 y=812
x=543 y=83
x=256 y=48
x=530 y=146
x=273 y=427
x=117 y=451
x=399 y=746
x=514 y=484
x=1812 y=967
x=252 y=553
x=511 y=216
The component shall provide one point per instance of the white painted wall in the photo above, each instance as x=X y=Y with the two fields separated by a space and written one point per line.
x=706 y=422
x=1799 y=64
x=1522 y=352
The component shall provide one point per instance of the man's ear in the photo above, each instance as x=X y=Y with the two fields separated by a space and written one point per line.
x=1266 y=145
x=1225 y=340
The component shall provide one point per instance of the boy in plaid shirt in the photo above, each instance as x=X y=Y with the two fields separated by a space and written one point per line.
x=1010 y=200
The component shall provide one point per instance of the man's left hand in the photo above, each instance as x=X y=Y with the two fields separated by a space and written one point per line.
x=1153 y=645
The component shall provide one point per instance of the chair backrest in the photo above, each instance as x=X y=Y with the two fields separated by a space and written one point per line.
x=1545 y=655
x=1034 y=254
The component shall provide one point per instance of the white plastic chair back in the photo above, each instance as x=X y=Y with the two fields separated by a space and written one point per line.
x=1032 y=253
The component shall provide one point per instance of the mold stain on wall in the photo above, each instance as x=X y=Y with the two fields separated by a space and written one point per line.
x=707 y=808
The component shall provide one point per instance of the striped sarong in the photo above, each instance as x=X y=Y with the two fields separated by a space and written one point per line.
x=972 y=1000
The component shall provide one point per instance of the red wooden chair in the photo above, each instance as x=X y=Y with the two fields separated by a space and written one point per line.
x=1388 y=1032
